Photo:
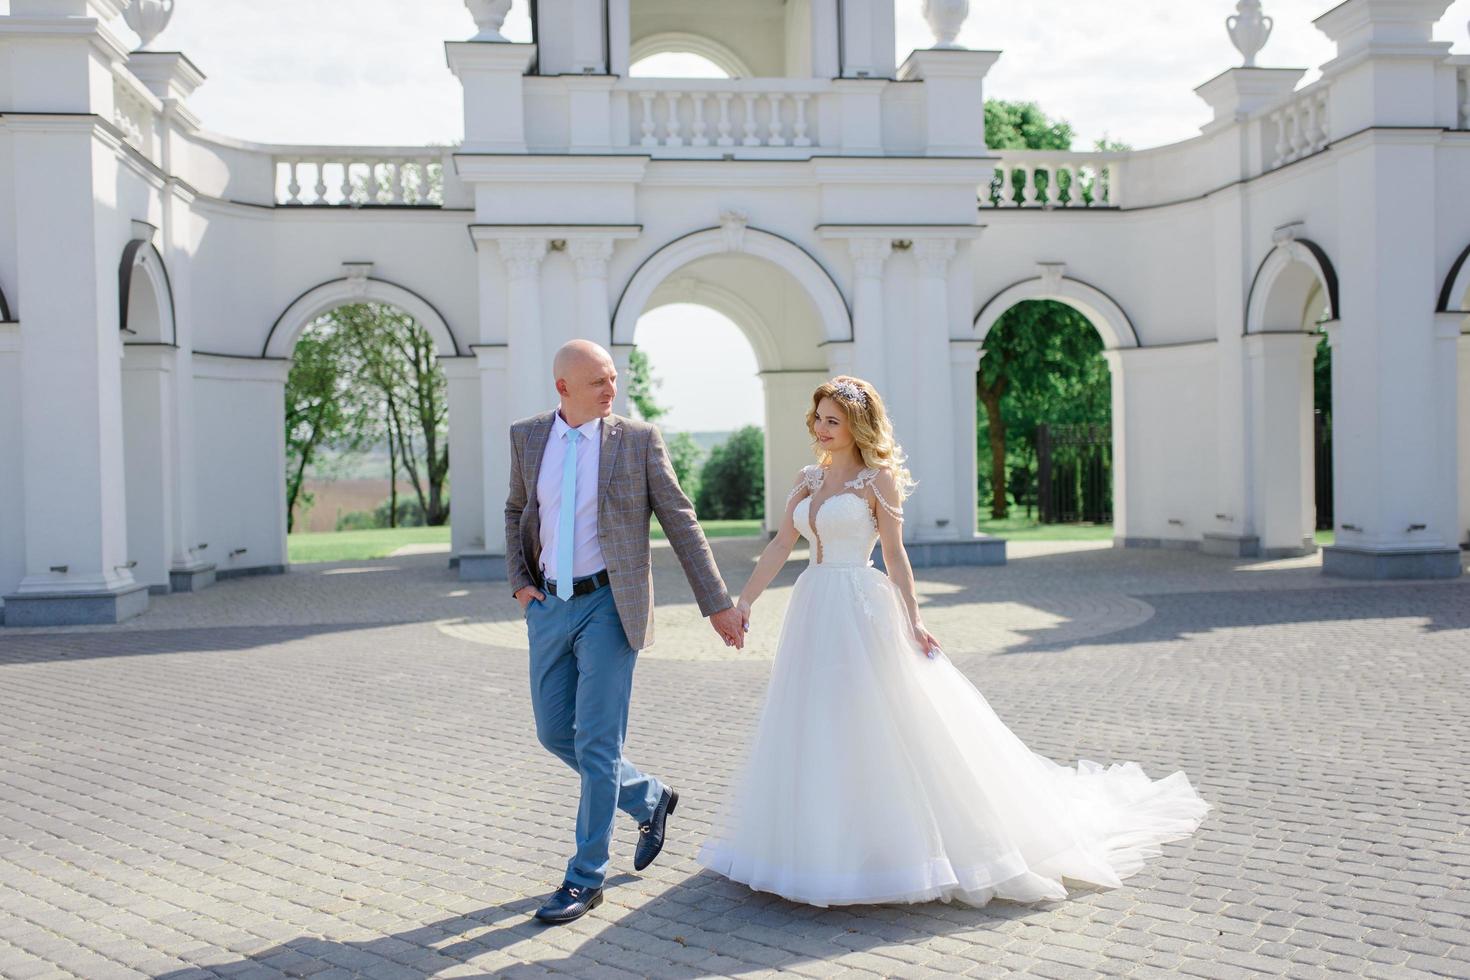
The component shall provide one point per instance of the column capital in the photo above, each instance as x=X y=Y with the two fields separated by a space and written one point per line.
x=591 y=255
x=522 y=256
x=869 y=254
x=933 y=255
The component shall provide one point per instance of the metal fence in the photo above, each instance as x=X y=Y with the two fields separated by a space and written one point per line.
x=1074 y=474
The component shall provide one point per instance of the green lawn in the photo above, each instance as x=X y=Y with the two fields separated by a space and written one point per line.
x=720 y=529
x=1024 y=529
x=359 y=545
x=1325 y=538
x=363 y=545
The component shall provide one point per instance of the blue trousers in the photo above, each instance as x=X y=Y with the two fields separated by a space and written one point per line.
x=581 y=682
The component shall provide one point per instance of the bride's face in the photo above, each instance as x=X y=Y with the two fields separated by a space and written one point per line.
x=833 y=433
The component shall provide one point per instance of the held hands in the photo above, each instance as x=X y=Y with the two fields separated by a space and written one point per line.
x=527 y=594
x=731 y=624
x=926 y=641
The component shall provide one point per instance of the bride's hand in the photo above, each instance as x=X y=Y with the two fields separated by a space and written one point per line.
x=926 y=641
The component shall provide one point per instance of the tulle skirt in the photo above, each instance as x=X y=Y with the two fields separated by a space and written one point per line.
x=879 y=775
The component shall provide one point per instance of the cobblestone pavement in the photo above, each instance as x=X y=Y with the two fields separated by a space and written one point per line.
x=333 y=773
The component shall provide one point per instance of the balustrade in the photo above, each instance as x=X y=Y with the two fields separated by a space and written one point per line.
x=1298 y=127
x=358 y=176
x=1037 y=179
x=702 y=113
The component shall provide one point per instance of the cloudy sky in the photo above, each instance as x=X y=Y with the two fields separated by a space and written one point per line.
x=373 y=71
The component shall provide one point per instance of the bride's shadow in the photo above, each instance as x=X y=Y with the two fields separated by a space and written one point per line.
x=701 y=925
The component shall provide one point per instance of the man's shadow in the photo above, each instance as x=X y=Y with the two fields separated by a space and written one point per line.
x=702 y=925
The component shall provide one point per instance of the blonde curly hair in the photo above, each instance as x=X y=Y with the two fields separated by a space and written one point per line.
x=872 y=431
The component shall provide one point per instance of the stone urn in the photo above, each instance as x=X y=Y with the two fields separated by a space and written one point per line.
x=1249 y=29
x=148 y=18
x=945 y=18
x=489 y=16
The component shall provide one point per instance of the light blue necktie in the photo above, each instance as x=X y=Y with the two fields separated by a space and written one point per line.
x=567 y=521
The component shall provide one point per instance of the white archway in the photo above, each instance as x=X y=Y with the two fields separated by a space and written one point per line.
x=307 y=308
x=682 y=42
x=1105 y=315
x=1455 y=296
x=734 y=237
x=145 y=316
x=1292 y=285
x=1285 y=283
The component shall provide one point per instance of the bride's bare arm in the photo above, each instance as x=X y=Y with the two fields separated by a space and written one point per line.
x=896 y=557
x=776 y=552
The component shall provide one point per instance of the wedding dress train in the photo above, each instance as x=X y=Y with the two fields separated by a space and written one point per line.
x=877 y=774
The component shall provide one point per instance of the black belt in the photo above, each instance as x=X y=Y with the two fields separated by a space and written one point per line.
x=582 y=586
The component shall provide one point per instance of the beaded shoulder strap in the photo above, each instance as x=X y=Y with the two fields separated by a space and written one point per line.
x=811 y=481
x=867 y=479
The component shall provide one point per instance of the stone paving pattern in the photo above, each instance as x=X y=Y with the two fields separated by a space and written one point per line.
x=333 y=773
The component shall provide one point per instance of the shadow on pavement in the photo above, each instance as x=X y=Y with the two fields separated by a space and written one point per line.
x=684 y=932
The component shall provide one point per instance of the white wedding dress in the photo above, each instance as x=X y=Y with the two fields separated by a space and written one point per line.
x=877 y=774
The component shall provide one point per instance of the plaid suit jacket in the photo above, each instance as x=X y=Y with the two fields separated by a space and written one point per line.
x=634 y=481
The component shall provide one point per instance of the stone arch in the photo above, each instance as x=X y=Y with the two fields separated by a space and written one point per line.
x=814 y=279
x=683 y=42
x=1284 y=283
x=353 y=288
x=1454 y=297
x=141 y=257
x=1105 y=315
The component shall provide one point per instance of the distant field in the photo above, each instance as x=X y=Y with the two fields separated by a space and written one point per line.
x=718 y=529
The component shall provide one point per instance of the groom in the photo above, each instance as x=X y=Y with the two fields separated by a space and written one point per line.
x=583 y=483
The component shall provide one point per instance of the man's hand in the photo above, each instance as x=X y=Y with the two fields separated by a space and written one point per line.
x=730 y=624
x=525 y=594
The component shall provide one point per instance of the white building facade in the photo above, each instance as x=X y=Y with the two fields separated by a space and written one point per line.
x=835 y=205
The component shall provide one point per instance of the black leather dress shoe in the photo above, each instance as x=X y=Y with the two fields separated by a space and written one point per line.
x=651 y=834
x=570 y=903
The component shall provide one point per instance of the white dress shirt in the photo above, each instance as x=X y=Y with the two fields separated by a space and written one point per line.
x=586 y=552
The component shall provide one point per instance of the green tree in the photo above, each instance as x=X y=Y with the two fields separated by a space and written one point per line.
x=1042 y=365
x=1024 y=126
x=685 y=455
x=397 y=371
x=641 y=384
x=732 y=484
x=321 y=408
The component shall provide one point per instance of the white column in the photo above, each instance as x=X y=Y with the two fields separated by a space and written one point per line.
x=150 y=461
x=932 y=437
x=495 y=419
x=964 y=361
x=591 y=255
x=528 y=367
x=622 y=355
x=868 y=258
x=1463 y=348
x=1118 y=368
x=469 y=502
x=1282 y=465
x=12 y=498
x=1393 y=393
x=71 y=385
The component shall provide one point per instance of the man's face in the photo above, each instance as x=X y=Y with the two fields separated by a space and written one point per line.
x=588 y=389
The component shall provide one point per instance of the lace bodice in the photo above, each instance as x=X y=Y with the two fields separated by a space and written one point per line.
x=845 y=531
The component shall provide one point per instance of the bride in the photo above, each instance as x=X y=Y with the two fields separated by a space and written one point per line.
x=878 y=773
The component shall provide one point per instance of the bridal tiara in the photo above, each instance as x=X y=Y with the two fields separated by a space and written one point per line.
x=850 y=392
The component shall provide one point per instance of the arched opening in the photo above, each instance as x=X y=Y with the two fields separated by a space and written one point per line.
x=783 y=305
x=1454 y=302
x=674 y=54
x=1290 y=316
x=366 y=437
x=154 y=492
x=1045 y=392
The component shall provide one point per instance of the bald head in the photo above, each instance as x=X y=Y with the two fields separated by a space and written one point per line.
x=586 y=380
